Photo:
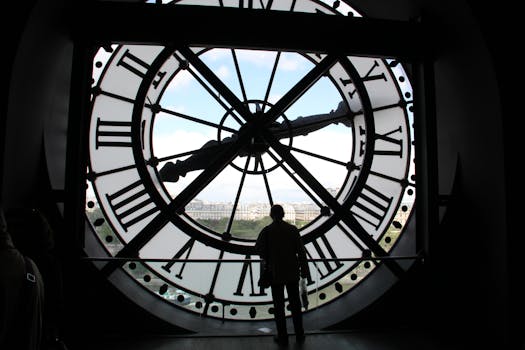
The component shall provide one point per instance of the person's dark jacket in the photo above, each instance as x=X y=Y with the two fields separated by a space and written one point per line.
x=286 y=255
x=21 y=301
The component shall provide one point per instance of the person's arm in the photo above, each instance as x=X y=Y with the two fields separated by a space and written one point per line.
x=301 y=255
x=260 y=244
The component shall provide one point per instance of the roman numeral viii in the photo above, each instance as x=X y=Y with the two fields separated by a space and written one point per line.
x=371 y=206
x=131 y=204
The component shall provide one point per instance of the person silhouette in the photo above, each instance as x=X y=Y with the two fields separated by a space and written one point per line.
x=34 y=237
x=21 y=296
x=280 y=247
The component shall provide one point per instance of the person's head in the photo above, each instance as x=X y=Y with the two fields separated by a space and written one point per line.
x=277 y=212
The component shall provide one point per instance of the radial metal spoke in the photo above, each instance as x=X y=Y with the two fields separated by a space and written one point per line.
x=203 y=150
x=268 y=4
x=216 y=83
x=208 y=298
x=97 y=90
x=239 y=75
x=238 y=196
x=315 y=155
x=296 y=180
x=190 y=118
x=266 y=183
x=216 y=96
x=272 y=76
x=300 y=88
x=112 y=171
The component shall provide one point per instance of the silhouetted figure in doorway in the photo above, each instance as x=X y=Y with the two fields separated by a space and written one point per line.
x=21 y=296
x=280 y=246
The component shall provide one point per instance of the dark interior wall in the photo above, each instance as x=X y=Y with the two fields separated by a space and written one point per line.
x=19 y=11
x=468 y=252
x=38 y=99
x=467 y=269
x=466 y=274
x=501 y=27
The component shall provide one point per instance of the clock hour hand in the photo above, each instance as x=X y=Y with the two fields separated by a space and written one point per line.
x=302 y=126
x=171 y=172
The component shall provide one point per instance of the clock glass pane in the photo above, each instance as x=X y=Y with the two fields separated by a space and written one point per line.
x=190 y=146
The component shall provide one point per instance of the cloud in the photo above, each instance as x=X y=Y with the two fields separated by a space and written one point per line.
x=222 y=72
x=217 y=54
x=273 y=98
x=181 y=80
x=290 y=62
x=257 y=57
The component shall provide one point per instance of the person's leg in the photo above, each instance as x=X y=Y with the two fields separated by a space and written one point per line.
x=278 y=310
x=295 y=307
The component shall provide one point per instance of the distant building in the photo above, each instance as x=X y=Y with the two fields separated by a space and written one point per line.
x=306 y=211
x=199 y=209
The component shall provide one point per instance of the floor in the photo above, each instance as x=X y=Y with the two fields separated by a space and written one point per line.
x=347 y=340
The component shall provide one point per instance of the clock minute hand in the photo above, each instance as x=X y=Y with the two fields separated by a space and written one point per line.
x=302 y=126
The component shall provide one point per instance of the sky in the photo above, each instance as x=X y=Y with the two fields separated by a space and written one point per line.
x=173 y=135
x=185 y=95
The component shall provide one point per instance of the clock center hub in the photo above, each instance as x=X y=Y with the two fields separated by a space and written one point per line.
x=257 y=146
x=262 y=161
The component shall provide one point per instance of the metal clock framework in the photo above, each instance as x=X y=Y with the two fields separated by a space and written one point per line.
x=336 y=137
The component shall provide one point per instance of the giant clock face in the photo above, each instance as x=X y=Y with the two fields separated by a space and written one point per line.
x=190 y=146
